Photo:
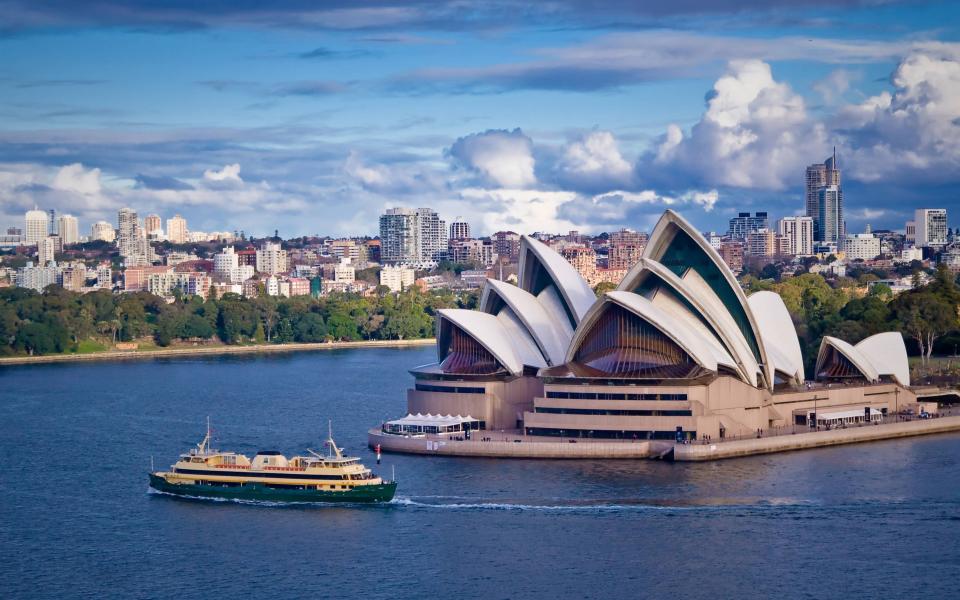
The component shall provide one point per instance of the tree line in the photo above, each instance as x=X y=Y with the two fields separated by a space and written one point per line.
x=927 y=315
x=59 y=321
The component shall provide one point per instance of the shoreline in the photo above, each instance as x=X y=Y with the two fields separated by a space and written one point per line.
x=211 y=351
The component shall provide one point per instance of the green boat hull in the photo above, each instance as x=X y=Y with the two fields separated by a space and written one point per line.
x=259 y=492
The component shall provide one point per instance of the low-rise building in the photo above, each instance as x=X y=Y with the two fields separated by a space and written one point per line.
x=397 y=278
x=861 y=246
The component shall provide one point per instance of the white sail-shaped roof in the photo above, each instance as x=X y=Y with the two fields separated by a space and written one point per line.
x=677 y=245
x=888 y=355
x=550 y=335
x=541 y=267
x=680 y=333
x=509 y=343
x=778 y=334
x=856 y=358
x=704 y=302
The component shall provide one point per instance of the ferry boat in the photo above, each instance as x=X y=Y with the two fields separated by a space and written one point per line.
x=208 y=473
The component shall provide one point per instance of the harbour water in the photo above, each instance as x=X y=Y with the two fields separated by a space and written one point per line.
x=77 y=520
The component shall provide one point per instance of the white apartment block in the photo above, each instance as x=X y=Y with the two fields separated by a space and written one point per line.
x=397 y=278
x=272 y=259
x=68 y=228
x=930 y=227
x=177 y=230
x=37 y=278
x=101 y=230
x=46 y=250
x=799 y=233
x=36 y=226
x=861 y=246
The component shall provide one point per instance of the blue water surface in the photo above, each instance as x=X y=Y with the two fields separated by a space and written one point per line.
x=77 y=520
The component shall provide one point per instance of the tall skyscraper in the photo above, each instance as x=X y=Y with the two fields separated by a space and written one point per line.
x=799 y=233
x=459 y=229
x=177 y=230
x=52 y=222
x=830 y=216
x=412 y=236
x=820 y=176
x=743 y=224
x=127 y=231
x=37 y=226
x=69 y=229
x=929 y=227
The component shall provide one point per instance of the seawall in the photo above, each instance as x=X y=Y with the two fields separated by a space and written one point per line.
x=515 y=449
x=212 y=350
x=818 y=439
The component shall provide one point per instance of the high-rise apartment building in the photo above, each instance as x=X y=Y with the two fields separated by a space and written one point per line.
x=459 y=229
x=731 y=251
x=762 y=242
x=507 y=245
x=744 y=224
x=412 y=236
x=131 y=239
x=46 y=250
x=829 y=222
x=929 y=227
x=583 y=259
x=272 y=259
x=101 y=230
x=177 y=230
x=398 y=236
x=472 y=251
x=820 y=176
x=36 y=226
x=127 y=231
x=626 y=248
x=153 y=225
x=433 y=236
x=799 y=234
x=68 y=228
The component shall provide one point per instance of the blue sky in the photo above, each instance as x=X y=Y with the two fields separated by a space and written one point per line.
x=540 y=116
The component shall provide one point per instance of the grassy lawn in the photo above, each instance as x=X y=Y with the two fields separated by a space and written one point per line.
x=89 y=347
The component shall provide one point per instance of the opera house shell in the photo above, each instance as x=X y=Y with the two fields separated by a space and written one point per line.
x=677 y=351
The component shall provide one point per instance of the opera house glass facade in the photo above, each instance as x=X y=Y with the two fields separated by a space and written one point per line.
x=677 y=351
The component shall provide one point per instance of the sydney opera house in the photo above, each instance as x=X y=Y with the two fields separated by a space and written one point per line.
x=677 y=351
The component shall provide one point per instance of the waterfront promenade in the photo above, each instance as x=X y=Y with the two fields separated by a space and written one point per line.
x=212 y=351
x=513 y=444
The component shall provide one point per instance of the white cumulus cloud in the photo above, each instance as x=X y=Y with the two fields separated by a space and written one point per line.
x=594 y=160
x=502 y=158
x=229 y=173
x=755 y=133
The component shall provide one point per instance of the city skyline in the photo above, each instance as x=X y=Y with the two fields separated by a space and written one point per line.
x=558 y=118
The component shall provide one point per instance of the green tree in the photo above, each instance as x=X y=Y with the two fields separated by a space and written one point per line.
x=310 y=328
